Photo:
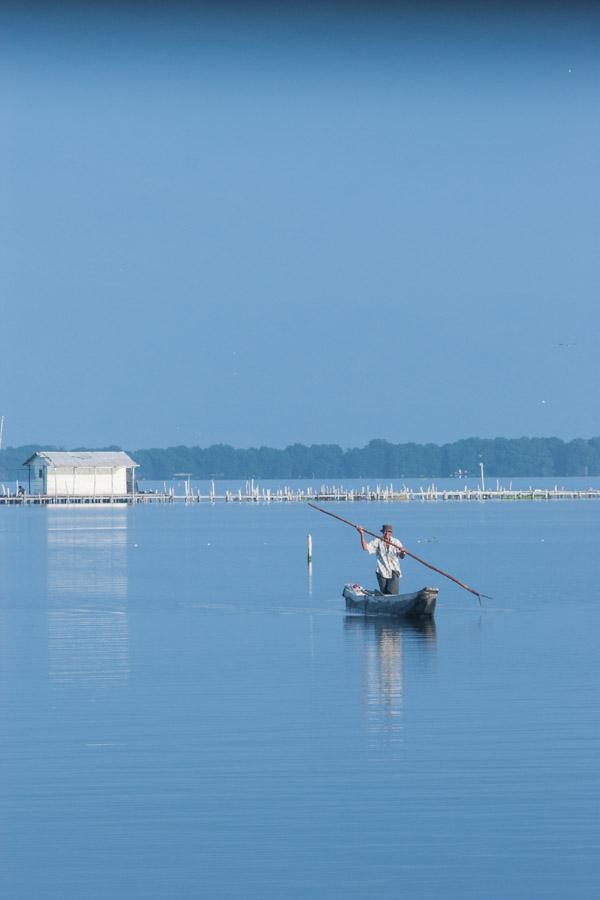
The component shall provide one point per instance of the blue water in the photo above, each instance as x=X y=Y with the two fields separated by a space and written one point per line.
x=185 y=713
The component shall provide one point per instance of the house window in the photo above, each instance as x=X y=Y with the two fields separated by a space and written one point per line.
x=40 y=473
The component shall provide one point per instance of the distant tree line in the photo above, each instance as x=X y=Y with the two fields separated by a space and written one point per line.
x=550 y=457
x=379 y=458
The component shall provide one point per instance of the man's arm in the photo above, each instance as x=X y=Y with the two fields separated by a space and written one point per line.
x=397 y=545
x=399 y=548
x=361 y=531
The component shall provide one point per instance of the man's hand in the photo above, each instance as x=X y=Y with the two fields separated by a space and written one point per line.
x=361 y=532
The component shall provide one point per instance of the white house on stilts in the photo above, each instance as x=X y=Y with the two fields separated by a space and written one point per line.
x=101 y=473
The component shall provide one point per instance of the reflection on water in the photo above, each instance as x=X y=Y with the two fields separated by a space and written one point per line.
x=386 y=646
x=88 y=645
x=88 y=638
x=87 y=554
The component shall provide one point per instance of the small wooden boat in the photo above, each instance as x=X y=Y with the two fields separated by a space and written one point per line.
x=420 y=605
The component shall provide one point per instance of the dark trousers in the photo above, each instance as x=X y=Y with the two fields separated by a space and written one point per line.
x=389 y=585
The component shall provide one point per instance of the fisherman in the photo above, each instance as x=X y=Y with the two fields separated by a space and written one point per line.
x=389 y=551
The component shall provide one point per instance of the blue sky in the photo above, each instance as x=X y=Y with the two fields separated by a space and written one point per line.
x=326 y=225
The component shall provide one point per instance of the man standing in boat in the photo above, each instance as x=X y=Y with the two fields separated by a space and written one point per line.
x=389 y=553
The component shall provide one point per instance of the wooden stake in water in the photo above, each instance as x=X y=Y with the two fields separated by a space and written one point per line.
x=309 y=556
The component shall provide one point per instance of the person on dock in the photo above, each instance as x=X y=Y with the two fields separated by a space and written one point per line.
x=389 y=553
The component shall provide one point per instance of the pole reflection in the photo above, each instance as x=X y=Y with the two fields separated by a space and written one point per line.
x=88 y=634
x=387 y=648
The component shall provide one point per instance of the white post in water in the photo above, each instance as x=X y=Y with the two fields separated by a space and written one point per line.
x=309 y=556
x=482 y=479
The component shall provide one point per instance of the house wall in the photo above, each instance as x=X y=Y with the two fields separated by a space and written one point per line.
x=36 y=481
x=87 y=481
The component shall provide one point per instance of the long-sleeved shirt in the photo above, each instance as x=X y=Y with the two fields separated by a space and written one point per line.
x=388 y=556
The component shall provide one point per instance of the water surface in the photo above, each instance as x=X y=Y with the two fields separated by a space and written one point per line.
x=184 y=712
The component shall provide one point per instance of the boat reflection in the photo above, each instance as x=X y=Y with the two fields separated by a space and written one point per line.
x=88 y=635
x=386 y=645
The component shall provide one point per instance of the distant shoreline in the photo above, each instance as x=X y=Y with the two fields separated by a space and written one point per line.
x=501 y=457
x=189 y=491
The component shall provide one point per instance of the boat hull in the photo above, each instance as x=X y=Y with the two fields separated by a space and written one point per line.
x=419 y=605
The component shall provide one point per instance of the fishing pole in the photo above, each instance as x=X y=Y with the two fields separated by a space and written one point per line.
x=471 y=590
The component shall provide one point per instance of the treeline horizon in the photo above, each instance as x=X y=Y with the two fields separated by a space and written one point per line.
x=501 y=457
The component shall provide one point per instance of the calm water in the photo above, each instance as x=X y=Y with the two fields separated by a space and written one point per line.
x=183 y=713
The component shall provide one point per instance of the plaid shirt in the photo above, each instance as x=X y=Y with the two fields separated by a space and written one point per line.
x=388 y=556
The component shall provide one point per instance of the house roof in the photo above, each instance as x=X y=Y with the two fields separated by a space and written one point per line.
x=81 y=458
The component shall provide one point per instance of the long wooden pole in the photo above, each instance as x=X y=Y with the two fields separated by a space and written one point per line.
x=471 y=590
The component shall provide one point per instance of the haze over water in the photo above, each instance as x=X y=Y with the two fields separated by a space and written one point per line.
x=184 y=713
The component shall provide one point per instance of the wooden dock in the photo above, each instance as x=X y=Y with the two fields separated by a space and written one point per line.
x=253 y=493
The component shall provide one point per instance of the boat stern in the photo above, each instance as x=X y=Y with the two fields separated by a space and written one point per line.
x=426 y=601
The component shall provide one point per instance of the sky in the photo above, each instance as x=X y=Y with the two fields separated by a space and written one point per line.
x=268 y=224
